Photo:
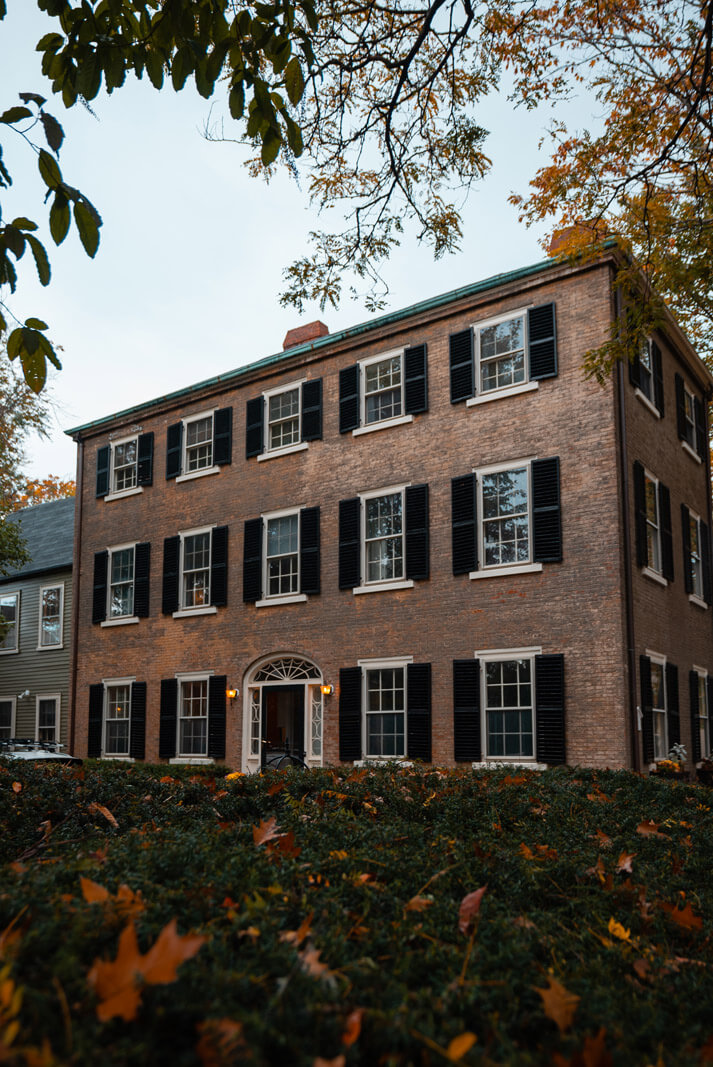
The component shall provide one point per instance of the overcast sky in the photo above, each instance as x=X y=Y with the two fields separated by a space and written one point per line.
x=186 y=281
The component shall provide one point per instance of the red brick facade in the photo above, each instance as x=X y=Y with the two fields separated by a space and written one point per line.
x=577 y=609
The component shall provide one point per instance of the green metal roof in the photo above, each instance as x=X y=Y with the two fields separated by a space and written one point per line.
x=332 y=338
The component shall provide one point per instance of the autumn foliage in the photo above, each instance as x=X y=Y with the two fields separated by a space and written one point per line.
x=334 y=918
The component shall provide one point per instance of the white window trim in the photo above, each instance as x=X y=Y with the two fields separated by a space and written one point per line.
x=283 y=450
x=281 y=598
x=383 y=587
x=123 y=493
x=392 y=663
x=202 y=609
x=277 y=601
x=647 y=403
x=13 y=713
x=121 y=620
x=656 y=657
x=107 y=682
x=393 y=583
x=199 y=676
x=136 y=488
x=501 y=394
x=118 y=620
x=192 y=475
x=185 y=475
x=505 y=570
x=16 y=593
x=502 y=569
x=506 y=764
x=696 y=598
x=382 y=424
x=507 y=390
x=698 y=601
x=57 y=697
x=703 y=673
x=60 y=644
x=687 y=448
x=501 y=655
x=649 y=571
x=654 y=575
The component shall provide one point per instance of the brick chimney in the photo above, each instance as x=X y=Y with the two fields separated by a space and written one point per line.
x=301 y=334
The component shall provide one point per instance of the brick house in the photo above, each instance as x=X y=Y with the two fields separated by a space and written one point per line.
x=432 y=516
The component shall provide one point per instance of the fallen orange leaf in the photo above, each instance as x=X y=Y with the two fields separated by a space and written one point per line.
x=649 y=829
x=624 y=862
x=559 y=1004
x=683 y=916
x=95 y=808
x=352 y=1027
x=469 y=908
x=458 y=1047
x=92 y=892
x=266 y=831
x=17 y=787
x=418 y=904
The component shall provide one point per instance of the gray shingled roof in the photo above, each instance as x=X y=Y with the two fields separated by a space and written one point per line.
x=48 y=530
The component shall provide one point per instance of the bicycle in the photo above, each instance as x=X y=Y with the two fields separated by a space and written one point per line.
x=282 y=761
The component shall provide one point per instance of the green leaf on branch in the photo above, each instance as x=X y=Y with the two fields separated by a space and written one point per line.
x=270 y=147
x=14 y=240
x=15 y=114
x=236 y=101
x=36 y=324
x=59 y=218
x=53 y=131
x=35 y=97
x=41 y=260
x=49 y=170
x=87 y=226
x=21 y=223
x=155 y=68
x=294 y=81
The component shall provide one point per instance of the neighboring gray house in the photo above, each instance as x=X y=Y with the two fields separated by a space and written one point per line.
x=37 y=602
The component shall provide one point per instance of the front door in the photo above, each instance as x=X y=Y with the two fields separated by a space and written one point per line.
x=283 y=721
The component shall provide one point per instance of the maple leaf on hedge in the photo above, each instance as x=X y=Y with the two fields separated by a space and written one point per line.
x=352 y=1027
x=682 y=916
x=625 y=861
x=95 y=808
x=265 y=831
x=458 y=1047
x=117 y=983
x=650 y=829
x=559 y=1004
x=220 y=1042
x=469 y=908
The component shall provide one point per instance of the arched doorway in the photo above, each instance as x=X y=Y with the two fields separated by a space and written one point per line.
x=283 y=709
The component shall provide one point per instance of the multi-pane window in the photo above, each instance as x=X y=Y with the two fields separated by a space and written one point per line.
x=193 y=718
x=501 y=348
x=283 y=419
x=47 y=719
x=506 y=524
x=121 y=583
x=282 y=555
x=658 y=692
x=653 y=524
x=385 y=712
x=51 y=598
x=124 y=474
x=704 y=715
x=6 y=716
x=196 y=570
x=199 y=444
x=695 y=561
x=646 y=371
x=10 y=611
x=116 y=720
x=689 y=419
x=382 y=390
x=384 y=537
x=509 y=708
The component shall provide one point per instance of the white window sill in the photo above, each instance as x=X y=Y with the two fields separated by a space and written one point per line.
x=499 y=762
x=197 y=474
x=502 y=572
x=402 y=420
x=654 y=576
x=698 y=601
x=9 y=651
x=50 y=648
x=123 y=493
x=500 y=394
x=687 y=448
x=198 y=761
x=117 y=759
x=383 y=761
x=276 y=601
x=128 y=620
x=385 y=587
x=277 y=452
x=647 y=403
x=187 y=613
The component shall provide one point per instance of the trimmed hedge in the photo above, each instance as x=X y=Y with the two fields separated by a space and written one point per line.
x=331 y=903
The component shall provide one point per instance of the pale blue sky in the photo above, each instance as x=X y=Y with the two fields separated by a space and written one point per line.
x=186 y=281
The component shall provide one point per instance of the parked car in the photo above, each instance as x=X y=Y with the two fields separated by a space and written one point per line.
x=37 y=751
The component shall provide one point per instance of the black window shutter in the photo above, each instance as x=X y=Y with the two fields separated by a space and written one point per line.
x=546 y=513
x=672 y=710
x=219 y=566
x=349 y=714
x=635 y=370
x=168 y=721
x=542 y=342
x=642 y=548
x=254 y=433
x=103 y=460
x=96 y=715
x=466 y=710
x=309 y=551
x=464 y=527
x=142 y=571
x=216 y=716
x=680 y=407
x=460 y=347
x=349 y=398
x=349 y=543
x=657 y=371
x=695 y=716
x=252 y=561
x=686 y=534
x=174 y=449
x=137 y=725
x=417 y=537
x=144 y=459
x=171 y=563
x=706 y=561
x=311 y=429
x=647 y=709
x=415 y=380
x=701 y=430
x=418 y=712
x=101 y=563
x=549 y=709
x=666 y=532
x=223 y=436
